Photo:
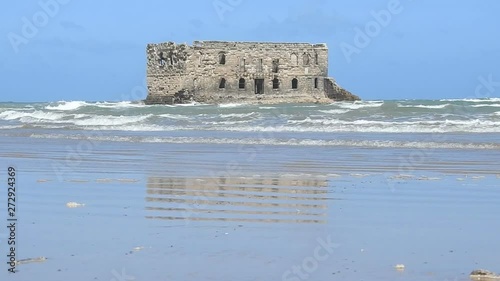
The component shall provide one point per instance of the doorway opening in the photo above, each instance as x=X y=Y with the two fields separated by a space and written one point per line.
x=259 y=86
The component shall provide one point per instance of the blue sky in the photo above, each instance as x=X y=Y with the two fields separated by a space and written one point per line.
x=95 y=50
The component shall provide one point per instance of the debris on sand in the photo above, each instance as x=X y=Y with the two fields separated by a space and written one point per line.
x=31 y=260
x=399 y=267
x=42 y=180
x=74 y=205
x=137 y=249
x=482 y=274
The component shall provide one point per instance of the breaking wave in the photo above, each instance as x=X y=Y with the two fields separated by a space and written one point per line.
x=425 y=106
x=278 y=142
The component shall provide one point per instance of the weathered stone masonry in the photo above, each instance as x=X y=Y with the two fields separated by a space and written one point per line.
x=221 y=72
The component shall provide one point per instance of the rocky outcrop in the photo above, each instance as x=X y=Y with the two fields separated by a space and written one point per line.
x=335 y=92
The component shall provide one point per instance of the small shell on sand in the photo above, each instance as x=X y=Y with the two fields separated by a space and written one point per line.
x=74 y=205
x=399 y=267
x=24 y=261
x=137 y=249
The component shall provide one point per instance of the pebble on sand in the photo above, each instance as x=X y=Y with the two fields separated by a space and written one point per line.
x=74 y=205
x=399 y=267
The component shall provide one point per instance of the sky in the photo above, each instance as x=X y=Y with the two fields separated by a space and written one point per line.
x=54 y=50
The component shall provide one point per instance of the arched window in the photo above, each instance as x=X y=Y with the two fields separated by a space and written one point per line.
x=294 y=59
x=315 y=83
x=241 y=83
x=316 y=58
x=242 y=64
x=306 y=59
x=222 y=58
x=222 y=83
x=260 y=65
x=161 y=60
x=295 y=83
x=276 y=83
x=276 y=63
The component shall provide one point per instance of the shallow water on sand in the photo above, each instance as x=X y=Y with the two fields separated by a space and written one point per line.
x=249 y=211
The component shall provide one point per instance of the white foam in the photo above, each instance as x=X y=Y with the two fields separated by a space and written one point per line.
x=36 y=116
x=486 y=105
x=278 y=142
x=136 y=128
x=188 y=104
x=358 y=105
x=8 y=127
x=231 y=105
x=335 y=111
x=67 y=105
x=474 y=100
x=306 y=106
x=218 y=123
x=174 y=116
x=121 y=104
x=439 y=106
x=109 y=120
x=236 y=115
x=370 y=126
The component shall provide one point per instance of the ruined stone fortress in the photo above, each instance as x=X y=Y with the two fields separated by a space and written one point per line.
x=246 y=72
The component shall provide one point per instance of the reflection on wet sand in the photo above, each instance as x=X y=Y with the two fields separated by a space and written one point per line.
x=274 y=199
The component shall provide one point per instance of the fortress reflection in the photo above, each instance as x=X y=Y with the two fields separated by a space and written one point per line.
x=281 y=199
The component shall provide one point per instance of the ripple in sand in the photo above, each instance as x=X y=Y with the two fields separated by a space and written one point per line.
x=128 y=180
x=424 y=178
x=77 y=181
x=356 y=175
x=402 y=177
x=42 y=180
x=103 y=180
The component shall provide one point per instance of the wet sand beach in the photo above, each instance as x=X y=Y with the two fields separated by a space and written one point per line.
x=166 y=211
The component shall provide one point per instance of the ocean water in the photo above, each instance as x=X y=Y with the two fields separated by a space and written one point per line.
x=248 y=192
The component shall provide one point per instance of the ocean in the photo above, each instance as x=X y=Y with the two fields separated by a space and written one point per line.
x=251 y=192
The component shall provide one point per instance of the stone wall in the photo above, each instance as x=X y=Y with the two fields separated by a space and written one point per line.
x=218 y=72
